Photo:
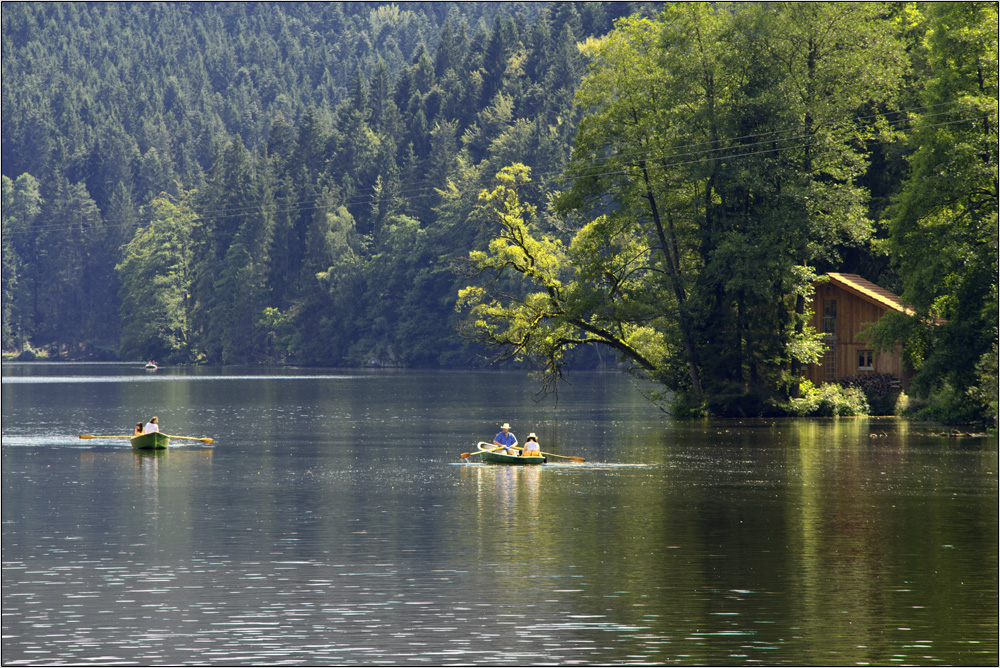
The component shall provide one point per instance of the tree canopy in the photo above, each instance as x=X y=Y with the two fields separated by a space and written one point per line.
x=314 y=184
x=300 y=162
x=722 y=163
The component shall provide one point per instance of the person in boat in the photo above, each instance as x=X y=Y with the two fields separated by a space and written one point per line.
x=531 y=447
x=506 y=440
x=152 y=425
x=138 y=429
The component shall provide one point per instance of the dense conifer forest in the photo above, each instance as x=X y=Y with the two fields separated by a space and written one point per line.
x=441 y=184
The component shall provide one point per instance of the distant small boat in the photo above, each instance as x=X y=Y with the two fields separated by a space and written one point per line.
x=497 y=458
x=151 y=441
x=150 y=366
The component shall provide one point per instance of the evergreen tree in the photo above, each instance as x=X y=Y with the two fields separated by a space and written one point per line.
x=22 y=202
x=71 y=286
x=334 y=153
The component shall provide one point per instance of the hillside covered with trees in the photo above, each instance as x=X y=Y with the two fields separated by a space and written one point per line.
x=317 y=183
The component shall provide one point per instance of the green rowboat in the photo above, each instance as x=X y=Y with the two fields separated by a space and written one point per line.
x=497 y=458
x=151 y=441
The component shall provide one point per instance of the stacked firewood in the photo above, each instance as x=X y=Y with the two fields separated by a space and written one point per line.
x=873 y=385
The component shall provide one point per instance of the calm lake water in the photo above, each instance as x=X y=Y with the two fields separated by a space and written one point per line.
x=333 y=522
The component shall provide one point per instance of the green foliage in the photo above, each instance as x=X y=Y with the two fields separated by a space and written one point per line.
x=279 y=331
x=985 y=392
x=827 y=400
x=718 y=168
x=943 y=223
x=723 y=141
x=156 y=276
x=73 y=280
x=275 y=118
x=883 y=395
x=541 y=299
x=949 y=405
x=21 y=205
x=298 y=183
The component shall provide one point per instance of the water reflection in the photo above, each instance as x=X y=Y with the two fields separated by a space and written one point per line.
x=513 y=489
x=333 y=523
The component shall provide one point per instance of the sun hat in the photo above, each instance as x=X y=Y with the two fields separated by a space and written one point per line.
x=505 y=426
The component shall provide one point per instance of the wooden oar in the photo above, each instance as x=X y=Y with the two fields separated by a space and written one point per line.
x=579 y=460
x=466 y=455
x=189 y=438
x=192 y=438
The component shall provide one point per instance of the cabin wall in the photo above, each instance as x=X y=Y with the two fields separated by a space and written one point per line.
x=842 y=315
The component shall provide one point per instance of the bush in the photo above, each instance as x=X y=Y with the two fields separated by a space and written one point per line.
x=948 y=405
x=29 y=354
x=902 y=404
x=686 y=407
x=827 y=400
x=986 y=390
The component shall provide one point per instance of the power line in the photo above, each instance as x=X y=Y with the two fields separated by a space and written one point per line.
x=673 y=156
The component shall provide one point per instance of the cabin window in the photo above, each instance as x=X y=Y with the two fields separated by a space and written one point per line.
x=866 y=360
x=830 y=316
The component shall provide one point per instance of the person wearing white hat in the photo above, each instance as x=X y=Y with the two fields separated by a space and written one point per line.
x=531 y=447
x=505 y=440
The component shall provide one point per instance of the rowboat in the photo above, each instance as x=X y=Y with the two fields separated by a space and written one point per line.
x=151 y=441
x=497 y=458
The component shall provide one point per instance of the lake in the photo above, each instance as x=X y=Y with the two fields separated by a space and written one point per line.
x=332 y=521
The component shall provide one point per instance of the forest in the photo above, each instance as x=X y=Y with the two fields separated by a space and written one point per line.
x=646 y=186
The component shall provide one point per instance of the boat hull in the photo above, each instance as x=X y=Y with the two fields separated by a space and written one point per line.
x=152 y=441
x=497 y=458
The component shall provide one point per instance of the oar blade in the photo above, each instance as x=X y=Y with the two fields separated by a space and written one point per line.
x=191 y=438
x=87 y=436
x=466 y=455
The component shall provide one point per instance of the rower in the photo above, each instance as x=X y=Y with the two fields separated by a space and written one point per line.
x=505 y=440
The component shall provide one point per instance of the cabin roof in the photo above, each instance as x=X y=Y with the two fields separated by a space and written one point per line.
x=870 y=291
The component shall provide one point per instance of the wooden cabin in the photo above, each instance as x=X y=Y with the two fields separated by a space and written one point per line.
x=842 y=307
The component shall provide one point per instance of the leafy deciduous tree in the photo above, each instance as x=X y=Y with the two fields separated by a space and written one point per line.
x=944 y=222
x=156 y=274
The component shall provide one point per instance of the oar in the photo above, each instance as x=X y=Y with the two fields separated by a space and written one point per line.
x=579 y=460
x=466 y=455
x=192 y=438
x=189 y=438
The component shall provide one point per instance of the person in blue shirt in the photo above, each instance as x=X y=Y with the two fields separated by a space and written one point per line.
x=506 y=440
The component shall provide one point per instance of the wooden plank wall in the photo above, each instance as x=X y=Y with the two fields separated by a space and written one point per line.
x=853 y=314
